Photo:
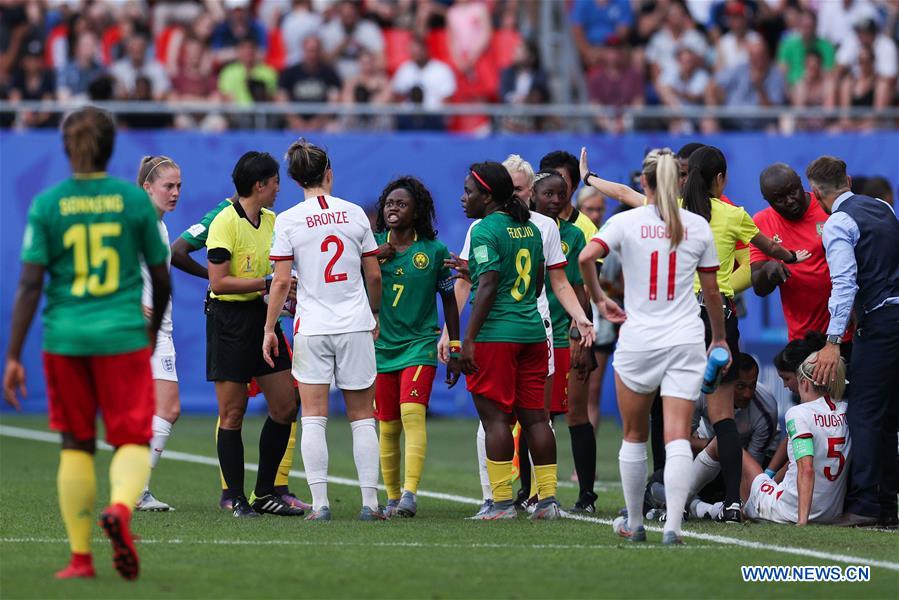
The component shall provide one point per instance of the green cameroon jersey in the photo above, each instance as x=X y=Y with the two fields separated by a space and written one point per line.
x=572 y=244
x=90 y=233
x=410 y=282
x=515 y=250
x=196 y=234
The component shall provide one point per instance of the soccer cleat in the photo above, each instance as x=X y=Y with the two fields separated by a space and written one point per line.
x=586 y=504
x=732 y=513
x=226 y=502
x=619 y=525
x=669 y=538
x=273 y=504
x=656 y=493
x=295 y=502
x=116 y=523
x=656 y=514
x=390 y=510
x=81 y=565
x=498 y=511
x=149 y=503
x=407 y=506
x=521 y=500
x=486 y=506
x=547 y=510
x=242 y=509
x=322 y=514
x=372 y=514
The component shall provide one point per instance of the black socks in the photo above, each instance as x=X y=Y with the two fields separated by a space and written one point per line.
x=524 y=464
x=730 y=455
x=272 y=444
x=583 y=448
x=230 y=451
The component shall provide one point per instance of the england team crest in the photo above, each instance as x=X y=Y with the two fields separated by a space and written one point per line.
x=819 y=227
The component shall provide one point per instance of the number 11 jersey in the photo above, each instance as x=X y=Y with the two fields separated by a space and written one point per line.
x=326 y=238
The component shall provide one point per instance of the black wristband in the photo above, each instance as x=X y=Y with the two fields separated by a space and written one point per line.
x=793 y=258
x=588 y=174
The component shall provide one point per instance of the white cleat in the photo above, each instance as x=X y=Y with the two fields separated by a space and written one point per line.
x=149 y=503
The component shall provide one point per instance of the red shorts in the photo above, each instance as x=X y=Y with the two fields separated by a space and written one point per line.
x=510 y=374
x=119 y=385
x=412 y=384
x=253 y=388
x=562 y=360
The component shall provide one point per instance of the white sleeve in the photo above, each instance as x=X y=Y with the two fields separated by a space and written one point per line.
x=282 y=249
x=466 y=247
x=847 y=53
x=403 y=80
x=885 y=57
x=610 y=235
x=709 y=259
x=552 y=249
x=369 y=245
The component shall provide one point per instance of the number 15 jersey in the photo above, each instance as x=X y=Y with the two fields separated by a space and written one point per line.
x=326 y=238
x=661 y=307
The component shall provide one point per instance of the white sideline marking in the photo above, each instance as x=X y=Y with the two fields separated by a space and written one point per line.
x=44 y=436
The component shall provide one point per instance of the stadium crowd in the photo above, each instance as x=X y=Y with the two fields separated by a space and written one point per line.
x=428 y=53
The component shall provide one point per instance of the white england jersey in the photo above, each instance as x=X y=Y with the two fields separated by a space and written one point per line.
x=661 y=308
x=147 y=295
x=824 y=422
x=552 y=251
x=326 y=238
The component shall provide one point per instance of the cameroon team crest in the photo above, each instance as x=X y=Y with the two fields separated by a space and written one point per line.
x=421 y=260
x=565 y=248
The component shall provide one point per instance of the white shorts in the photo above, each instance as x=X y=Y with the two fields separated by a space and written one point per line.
x=762 y=502
x=163 y=359
x=548 y=325
x=346 y=359
x=677 y=370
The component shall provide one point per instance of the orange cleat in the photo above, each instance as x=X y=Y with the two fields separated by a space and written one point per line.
x=81 y=565
x=116 y=523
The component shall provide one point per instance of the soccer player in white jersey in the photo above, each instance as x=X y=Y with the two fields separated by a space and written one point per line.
x=814 y=487
x=523 y=179
x=329 y=243
x=661 y=345
x=160 y=177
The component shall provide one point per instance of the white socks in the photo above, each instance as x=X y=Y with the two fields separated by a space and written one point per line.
x=632 y=466
x=366 y=453
x=704 y=510
x=678 y=462
x=486 y=490
x=703 y=471
x=162 y=429
x=314 y=450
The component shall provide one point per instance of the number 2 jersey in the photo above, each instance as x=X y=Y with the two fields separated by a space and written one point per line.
x=410 y=282
x=326 y=238
x=661 y=307
x=90 y=233
x=823 y=423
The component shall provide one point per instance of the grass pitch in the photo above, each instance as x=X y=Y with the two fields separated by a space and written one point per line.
x=199 y=551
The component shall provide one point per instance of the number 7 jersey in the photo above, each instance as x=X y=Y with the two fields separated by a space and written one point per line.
x=326 y=238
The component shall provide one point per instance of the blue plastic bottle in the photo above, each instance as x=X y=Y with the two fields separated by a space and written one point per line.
x=714 y=370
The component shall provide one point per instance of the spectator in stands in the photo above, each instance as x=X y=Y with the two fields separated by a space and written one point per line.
x=84 y=68
x=867 y=36
x=813 y=89
x=797 y=45
x=835 y=18
x=687 y=85
x=143 y=92
x=138 y=63
x=518 y=79
x=435 y=79
x=732 y=48
x=194 y=78
x=858 y=90
x=756 y=83
x=370 y=86
x=346 y=35
x=312 y=80
x=301 y=22
x=879 y=187
x=469 y=31
x=594 y=22
x=238 y=25
x=678 y=30
x=32 y=81
x=247 y=79
x=615 y=83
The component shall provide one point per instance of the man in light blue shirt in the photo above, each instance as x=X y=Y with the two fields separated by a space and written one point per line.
x=861 y=239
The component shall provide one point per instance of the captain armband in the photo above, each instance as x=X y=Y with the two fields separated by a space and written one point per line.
x=446 y=285
x=803 y=446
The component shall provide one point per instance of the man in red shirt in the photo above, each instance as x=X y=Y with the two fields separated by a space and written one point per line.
x=796 y=220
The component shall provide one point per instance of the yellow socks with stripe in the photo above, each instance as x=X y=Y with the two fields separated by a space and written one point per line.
x=501 y=475
x=389 y=442
x=128 y=472
x=77 y=486
x=281 y=479
x=547 y=479
x=413 y=416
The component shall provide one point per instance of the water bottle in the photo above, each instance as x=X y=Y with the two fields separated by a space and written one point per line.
x=714 y=370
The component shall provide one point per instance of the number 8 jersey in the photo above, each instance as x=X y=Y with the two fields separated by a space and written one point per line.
x=661 y=307
x=326 y=238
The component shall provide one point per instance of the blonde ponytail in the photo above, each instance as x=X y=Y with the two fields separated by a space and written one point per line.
x=661 y=171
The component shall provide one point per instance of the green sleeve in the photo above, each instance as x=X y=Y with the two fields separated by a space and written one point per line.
x=153 y=249
x=484 y=251
x=444 y=275
x=34 y=243
x=828 y=54
x=196 y=234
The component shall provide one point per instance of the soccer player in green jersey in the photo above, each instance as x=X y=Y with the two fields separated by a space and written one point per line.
x=504 y=354
x=89 y=233
x=406 y=350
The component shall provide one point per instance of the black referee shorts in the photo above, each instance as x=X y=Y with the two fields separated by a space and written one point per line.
x=234 y=332
x=731 y=333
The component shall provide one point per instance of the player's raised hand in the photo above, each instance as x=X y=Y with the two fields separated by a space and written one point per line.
x=386 y=252
x=459 y=266
x=584 y=169
x=453 y=372
x=802 y=256
x=13 y=381
x=270 y=347
x=611 y=312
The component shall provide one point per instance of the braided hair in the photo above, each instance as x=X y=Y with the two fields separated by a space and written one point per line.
x=424 y=218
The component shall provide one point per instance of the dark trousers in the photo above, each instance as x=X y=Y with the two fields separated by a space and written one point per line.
x=873 y=414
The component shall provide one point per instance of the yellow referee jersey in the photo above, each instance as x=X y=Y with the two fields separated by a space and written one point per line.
x=248 y=245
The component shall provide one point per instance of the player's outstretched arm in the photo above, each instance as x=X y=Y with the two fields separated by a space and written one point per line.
x=617 y=191
x=568 y=297
x=587 y=264
x=371 y=270
x=277 y=295
x=28 y=296
x=805 y=484
x=461 y=290
x=181 y=259
x=775 y=250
